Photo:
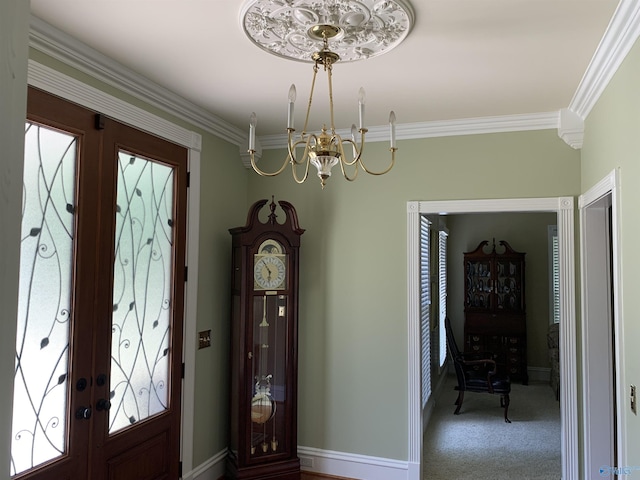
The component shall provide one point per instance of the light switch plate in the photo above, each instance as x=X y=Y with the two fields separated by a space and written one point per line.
x=204 y=339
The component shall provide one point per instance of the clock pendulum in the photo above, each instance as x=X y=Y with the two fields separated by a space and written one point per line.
x=263 y=405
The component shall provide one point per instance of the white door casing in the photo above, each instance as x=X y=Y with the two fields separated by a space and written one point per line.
x=564 y=208
x=601 y=320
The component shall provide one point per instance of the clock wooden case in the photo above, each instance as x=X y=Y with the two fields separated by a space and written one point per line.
x=264 y=348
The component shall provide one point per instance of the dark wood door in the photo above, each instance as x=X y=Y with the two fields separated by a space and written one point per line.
x=98 y=358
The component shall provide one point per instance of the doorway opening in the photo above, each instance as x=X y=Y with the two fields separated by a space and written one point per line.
x=603 y=388
x=563 y=207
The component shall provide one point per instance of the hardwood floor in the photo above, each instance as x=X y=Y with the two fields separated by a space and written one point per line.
x=318 y=476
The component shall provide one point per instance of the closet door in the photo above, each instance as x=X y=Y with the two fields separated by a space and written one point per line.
x=98 y=352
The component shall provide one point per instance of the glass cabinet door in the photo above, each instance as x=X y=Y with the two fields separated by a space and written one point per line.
x=479 y=284
x=509 y=284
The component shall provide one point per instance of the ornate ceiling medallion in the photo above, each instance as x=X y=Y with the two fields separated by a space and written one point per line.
x=365 y=28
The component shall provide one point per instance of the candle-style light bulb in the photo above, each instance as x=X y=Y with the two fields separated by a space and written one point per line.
x=252 y=131
x=292 y=99
x=392 y=128
x=361 y=99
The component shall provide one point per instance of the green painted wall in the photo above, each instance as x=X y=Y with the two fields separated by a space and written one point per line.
x=222 y=206
x=611 y=142
x=353 y=316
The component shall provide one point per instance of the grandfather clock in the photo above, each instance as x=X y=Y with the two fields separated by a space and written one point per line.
x=264 y=349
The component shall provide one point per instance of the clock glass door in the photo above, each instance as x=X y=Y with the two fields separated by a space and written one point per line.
x=269 y=392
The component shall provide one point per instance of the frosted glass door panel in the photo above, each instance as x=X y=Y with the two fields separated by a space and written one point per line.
x=142 y=303
x=41 y=386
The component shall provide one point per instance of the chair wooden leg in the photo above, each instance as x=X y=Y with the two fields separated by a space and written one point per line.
x=504 y=402
x=459 y=402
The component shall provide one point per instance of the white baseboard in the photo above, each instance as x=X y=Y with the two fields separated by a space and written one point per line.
x=326 y=462
x=212 y=469
x=351 y=465
x=539 y=374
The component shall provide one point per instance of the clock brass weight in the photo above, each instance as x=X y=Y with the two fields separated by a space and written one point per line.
x=264 y=345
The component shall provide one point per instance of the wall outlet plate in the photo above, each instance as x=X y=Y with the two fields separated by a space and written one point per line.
x=306 y=462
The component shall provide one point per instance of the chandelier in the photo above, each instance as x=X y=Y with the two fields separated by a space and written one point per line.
x=360 y=30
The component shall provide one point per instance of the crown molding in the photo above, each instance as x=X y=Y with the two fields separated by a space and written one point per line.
x=57 y=44
x=620 y=36
x=571 y=128
x=56 y=83
x=446 y=128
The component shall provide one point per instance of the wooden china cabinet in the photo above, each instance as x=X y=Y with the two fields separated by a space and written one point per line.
x=494 y=306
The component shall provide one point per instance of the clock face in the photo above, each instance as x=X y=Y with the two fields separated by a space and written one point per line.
x=269 y=272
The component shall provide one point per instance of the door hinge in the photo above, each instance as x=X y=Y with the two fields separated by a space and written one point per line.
x=180 y=469
x=188 y=179
x=182 y=369
x=186 y=273
x=99 y=121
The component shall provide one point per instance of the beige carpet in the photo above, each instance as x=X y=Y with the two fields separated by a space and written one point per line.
x=478 y=444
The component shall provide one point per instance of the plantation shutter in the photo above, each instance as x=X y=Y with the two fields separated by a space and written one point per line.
x=554 y=271
x=442 y=282
x=425 y=303
x=556 y=281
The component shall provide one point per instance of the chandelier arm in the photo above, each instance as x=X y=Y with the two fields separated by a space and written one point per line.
x=393 y=161
x=344 y=162
x=294 y=162
x=263 y=173
x=291 y=147
x=355 y=156
x=357 y=150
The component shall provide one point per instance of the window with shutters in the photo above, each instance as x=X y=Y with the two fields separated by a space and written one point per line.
x=442 y=286
x=425 y=304
x=554 y=275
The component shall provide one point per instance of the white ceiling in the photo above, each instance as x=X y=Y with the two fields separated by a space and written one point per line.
x=463 y=58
